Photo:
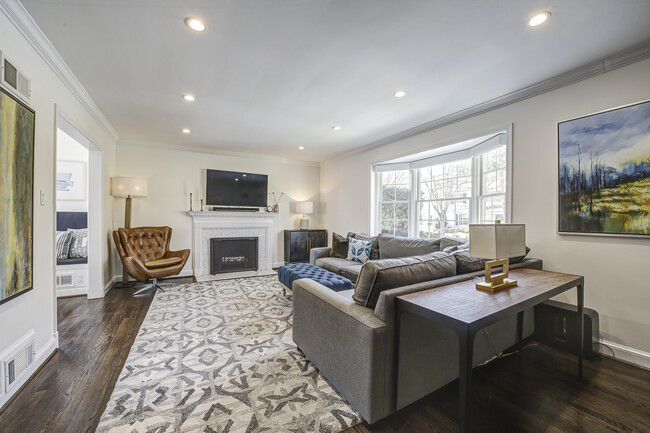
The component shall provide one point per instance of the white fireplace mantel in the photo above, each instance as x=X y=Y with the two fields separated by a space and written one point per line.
x=216 y=224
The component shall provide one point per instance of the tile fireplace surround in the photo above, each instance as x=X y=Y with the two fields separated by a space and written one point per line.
x=206 y=225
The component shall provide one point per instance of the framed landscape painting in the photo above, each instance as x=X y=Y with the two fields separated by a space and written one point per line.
x=604 y=173
x=16 y=196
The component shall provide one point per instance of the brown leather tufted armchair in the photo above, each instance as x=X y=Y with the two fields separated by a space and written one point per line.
x=145 y=254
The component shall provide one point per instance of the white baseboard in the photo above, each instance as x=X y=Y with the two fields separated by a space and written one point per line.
x=71 y=291
x=624 y=353
x=110 y=283
x=41 y=357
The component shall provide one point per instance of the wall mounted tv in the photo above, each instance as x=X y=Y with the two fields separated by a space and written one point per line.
x=234 y=188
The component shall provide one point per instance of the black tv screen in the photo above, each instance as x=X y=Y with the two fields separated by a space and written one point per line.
x=234 y=188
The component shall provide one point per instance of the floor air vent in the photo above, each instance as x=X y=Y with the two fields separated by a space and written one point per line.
x=19 y=359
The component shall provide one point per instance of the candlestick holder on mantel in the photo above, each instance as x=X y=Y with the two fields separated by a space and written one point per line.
x=191 y=202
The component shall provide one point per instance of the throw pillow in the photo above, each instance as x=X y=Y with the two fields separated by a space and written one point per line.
x=379 y=275
x=358 y=250
x=466 y=264
x=446 y=243
x=339 y=246
x=78 y=244
x=63 y=240
x=374 y=249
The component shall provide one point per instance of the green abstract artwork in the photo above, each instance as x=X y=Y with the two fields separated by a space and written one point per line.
x=604 y=172
x=16 y=195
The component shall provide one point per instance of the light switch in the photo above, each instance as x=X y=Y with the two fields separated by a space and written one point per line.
x=42 y=197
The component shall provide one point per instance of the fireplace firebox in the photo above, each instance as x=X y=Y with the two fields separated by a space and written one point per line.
x=233 y=255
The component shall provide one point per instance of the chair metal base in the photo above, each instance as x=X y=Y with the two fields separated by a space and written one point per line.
x=154 y=285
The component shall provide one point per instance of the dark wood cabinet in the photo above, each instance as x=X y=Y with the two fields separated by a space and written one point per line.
x=298 y=243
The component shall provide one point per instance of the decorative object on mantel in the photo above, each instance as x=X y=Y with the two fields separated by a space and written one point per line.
x=276 y=202
x=497 y=243
x=129 y=187
x=200 y=199
x=604 y=173
x=304 y=208
x=17 y=205
x=191 y=202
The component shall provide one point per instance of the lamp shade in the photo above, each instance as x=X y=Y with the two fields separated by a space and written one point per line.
x=497 y=241
x=304 y=207
x=128 y=187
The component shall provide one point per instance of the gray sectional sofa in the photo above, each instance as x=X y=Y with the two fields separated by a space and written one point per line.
x=352 y=344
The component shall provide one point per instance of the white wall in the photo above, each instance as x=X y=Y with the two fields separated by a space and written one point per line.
x=616 y=270
x=69 y=149
x=36 y=310
x=173 y=173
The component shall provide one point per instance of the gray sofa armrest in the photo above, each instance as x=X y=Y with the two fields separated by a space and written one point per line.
x=347 y=343
x=317 y=253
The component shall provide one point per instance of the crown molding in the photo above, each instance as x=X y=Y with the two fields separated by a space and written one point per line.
x=19 y=17
x=214 y=151
x=622 y=58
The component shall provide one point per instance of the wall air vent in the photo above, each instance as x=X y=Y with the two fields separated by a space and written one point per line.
x=14 y=80
x=64 y=280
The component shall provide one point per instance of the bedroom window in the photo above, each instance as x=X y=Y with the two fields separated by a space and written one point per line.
x=440 y=192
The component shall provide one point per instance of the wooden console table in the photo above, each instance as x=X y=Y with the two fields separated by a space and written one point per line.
x=466 y=310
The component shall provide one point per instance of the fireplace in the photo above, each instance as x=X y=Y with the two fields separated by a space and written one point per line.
x=233 y=255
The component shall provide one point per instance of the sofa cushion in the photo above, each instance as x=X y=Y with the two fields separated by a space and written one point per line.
x=351 y=272
x=514 y=260
x=333 y=264
x=374 y=248
x=358 y=250
x=391 y=247
x=379 y=275
x=339 y=246
x=78 y=243
x=63 y=239
x=465 y=263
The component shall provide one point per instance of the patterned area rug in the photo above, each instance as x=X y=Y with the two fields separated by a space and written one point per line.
x=217 y=357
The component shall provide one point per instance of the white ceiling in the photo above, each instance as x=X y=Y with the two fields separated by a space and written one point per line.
x=272 y=75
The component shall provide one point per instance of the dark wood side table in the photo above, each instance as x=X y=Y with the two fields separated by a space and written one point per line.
x=466 y=310
x=298 y=243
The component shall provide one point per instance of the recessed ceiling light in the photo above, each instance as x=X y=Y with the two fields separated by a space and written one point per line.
x=195 y=24
x=399 y=94
x=244 y=174
x=336 y=127
x=185 y=131
x=539 y=18
x=189 y=97
x=301 y=147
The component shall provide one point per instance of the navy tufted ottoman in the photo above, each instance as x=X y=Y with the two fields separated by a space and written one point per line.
x=295 y=271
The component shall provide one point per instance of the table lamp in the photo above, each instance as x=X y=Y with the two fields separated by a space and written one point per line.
x=304 y=207
x=128 y=187
x=497 y=243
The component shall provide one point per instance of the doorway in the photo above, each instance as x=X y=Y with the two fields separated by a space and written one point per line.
x=78 y=210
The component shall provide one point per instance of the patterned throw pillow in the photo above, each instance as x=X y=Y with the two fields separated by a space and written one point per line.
x=79 y=243
x=63 y=240
x=358 y=250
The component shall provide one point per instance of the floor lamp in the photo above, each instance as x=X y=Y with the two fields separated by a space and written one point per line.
x=128 y=187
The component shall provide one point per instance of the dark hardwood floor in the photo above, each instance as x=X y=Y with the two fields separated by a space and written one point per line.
x=536 y=390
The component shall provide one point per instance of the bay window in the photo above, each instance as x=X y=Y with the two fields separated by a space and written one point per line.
x=440 y=192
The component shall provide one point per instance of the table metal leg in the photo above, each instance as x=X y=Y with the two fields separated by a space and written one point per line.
x=581 y=304
x=398 y=322
x=466 y=350
x=520 y=329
